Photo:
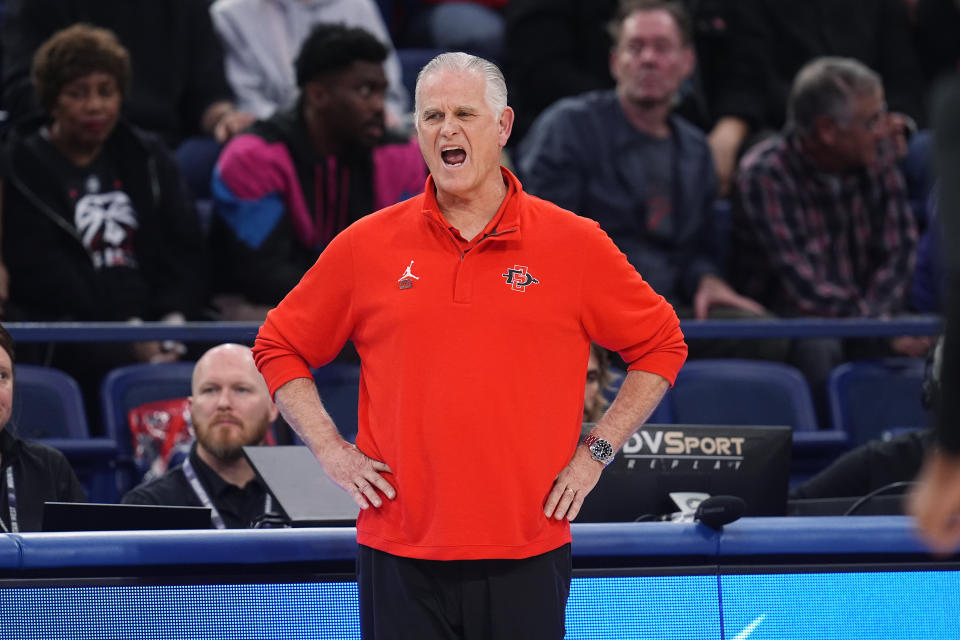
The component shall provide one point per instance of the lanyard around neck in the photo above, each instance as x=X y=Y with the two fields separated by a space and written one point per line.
x=11 y=503
x=205 y=500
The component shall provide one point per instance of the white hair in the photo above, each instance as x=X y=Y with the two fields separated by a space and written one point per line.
x=496 y=89
x=826 y=86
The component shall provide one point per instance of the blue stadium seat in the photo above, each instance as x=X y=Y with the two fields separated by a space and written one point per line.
x=663 y=414
x=48 y=407
x=411 y=61
x=47 y=404
x=744 y=392
x=868 y=397
x=339 y=386
x=752 y=392
x=127 y=387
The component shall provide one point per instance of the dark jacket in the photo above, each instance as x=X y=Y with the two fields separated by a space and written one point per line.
x=238 y=507
x=278 y=203
x=583 y=155
x=40 y=474
x=52 y=277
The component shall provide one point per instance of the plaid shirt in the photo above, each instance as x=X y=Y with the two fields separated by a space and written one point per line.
x=811 y=243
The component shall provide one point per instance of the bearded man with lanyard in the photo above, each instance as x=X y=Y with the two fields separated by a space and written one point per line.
x=230 y=409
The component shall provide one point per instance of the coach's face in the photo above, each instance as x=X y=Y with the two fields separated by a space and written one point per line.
x=460 y=137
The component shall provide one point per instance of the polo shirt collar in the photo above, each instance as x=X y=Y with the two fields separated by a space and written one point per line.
x=507 y=217
x=215 y=485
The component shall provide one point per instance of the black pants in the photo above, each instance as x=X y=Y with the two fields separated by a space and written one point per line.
x=404 y=598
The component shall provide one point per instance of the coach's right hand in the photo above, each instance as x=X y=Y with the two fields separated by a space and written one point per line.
x=358 y=474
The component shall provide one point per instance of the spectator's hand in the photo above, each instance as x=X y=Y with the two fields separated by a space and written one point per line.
x=714 y=291
x=572 y=485
x=725 y=140
x=912 y=346
x=236 y=308
x=935 y=502
x=899 y=129
x=359 y=475
x=230 y=124
x=158 y=351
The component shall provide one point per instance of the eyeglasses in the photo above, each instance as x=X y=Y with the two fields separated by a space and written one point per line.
x=593 y=376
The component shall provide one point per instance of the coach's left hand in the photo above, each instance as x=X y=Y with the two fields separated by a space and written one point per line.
x=572 y=485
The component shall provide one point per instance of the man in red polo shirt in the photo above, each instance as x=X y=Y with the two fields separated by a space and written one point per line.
x=472 y=307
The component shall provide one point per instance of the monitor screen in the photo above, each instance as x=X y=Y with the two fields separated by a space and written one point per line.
x=86 y=516
x=307 y=497
x=750 y=462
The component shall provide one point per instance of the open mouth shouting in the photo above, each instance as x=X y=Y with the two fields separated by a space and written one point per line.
x=453 y=156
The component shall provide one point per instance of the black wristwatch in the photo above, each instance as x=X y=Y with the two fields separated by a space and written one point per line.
x=600 y=449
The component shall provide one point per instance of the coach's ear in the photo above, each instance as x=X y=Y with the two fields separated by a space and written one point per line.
x=505 y=126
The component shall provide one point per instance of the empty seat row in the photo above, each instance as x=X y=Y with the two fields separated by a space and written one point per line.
x=866 y=399
x=48 y=407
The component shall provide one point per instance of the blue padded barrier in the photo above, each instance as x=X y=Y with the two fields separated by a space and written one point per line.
x=10 y=555
x=820 y=535
x=643 y=539
x=807 y=536
x=146 y=548
x=246 y=332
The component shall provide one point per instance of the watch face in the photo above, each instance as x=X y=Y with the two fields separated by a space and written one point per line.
x=601 y=450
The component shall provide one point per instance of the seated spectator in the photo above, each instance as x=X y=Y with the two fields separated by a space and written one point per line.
x=96 y=226
x=30 y=473
x=285 y=188
x=230 y=408
x=178 y=90
x=870 y=467
x=775 y=38
x=261 y=39
x=599 y=378
x=821 y=221
x=645 y=175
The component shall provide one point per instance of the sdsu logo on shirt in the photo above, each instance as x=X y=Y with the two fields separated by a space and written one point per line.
x=106 y=222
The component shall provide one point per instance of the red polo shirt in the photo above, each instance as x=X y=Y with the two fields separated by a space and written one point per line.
x=474 y=357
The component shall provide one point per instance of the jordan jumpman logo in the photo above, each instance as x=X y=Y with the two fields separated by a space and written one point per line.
x=408 y=273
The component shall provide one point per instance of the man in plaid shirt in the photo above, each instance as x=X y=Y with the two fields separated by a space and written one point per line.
x=821 y=221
